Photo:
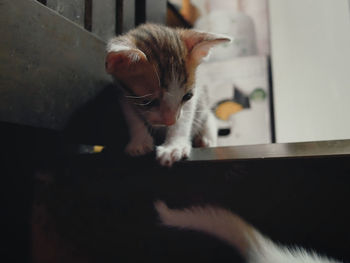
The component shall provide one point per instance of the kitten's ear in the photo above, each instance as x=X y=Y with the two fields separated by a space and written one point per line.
x=121 y=58
x=199 y=43
x=132 y=68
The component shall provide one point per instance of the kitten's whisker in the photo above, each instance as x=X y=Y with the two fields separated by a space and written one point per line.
x=169 y=94
x=138 y=97
x=195 y=111
x=143 y=104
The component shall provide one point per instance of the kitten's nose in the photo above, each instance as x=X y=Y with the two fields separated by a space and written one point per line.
x=169 y=120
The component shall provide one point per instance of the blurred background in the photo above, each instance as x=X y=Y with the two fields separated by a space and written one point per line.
x=284 y=78
x=287 y=71
x=236 y=74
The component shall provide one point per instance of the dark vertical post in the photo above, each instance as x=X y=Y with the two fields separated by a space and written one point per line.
x=88 y=15
x=140 y=12
x=119 y=17
x=271 y=102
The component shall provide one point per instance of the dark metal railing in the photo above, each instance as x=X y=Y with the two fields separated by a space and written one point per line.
x=107 y=18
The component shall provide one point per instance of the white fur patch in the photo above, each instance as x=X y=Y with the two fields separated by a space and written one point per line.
x=112 y=47
x=227 y=226
x=216 y=35
x=133 y=54
x=269 y=252
x=168 y=154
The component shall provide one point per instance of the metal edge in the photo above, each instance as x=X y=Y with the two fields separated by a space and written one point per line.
x=273 y=151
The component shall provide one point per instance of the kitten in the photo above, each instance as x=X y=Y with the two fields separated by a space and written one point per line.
x=154 y=67
x=252 y=245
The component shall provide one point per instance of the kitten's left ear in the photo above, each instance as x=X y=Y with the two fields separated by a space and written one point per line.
x=199 y=43
x=121 y=58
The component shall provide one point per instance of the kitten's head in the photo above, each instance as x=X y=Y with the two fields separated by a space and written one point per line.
x=156 y=66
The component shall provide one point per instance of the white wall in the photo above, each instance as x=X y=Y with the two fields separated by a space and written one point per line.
x=258 y=11
x=310 y=42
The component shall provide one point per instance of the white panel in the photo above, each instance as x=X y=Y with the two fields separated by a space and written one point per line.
x=71 y=9
x=311 y=69
x=128 y=15
x=156 y=11
x=250 y=125
x=103 y=18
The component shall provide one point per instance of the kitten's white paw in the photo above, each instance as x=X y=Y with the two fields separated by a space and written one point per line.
x=208 y=142
x=204 y=141
x=140 y=145
x=168 y=154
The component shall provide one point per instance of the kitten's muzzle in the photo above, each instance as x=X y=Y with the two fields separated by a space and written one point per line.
x=169 y=121
x=169 y=118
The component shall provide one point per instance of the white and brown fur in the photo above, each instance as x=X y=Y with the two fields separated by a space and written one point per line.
x=155 y=67
x=252 y=245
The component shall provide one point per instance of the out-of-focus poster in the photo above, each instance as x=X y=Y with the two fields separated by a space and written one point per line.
x=239 y=98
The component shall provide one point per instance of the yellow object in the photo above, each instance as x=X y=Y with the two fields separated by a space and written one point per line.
x=98 y=148
x=189 y=11
x=225 y=109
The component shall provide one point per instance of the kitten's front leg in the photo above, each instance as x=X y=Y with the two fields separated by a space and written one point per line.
x=141 y=142
x=177 y=144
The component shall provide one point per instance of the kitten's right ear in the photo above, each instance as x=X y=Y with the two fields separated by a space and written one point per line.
x=199 y=43
x=121 y=58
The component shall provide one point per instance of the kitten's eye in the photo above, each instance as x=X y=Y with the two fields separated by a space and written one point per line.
x=150 y=103
x=187 y=96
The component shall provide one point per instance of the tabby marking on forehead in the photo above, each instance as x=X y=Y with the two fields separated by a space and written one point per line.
x=164 y=48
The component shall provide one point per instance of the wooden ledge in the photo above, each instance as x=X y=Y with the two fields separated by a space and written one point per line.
x=270 y=151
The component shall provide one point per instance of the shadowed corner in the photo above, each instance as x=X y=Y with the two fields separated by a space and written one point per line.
x=99 y=127
x=99 y=122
